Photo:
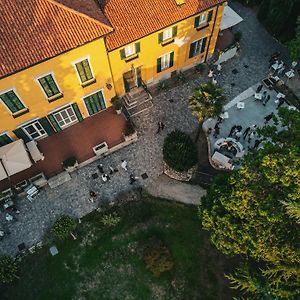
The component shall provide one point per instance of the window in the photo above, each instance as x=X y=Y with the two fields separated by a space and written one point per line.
x=4 y=139
x=197 y=47
x=49 y=86
x=167 y=35
x=95 y=103
x=65 y=117
x=11 y=100
x=164 y=62
x=130 y=50
x=84 y=71
x=200 y=20
x=34 y=130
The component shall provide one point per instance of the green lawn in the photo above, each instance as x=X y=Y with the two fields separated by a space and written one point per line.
x=107 y=263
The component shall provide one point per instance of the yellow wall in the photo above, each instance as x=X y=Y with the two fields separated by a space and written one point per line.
x=150 y=50
x=31 y=93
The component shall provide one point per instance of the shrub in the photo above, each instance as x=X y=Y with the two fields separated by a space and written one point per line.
x=63 y=227
x=70 y=162
x=200 y=68
x=129 y=129
x=116 y=102
x=8 y=269
x=179 y=151
x=110 y=220
x=157 y=257
x=237 y=36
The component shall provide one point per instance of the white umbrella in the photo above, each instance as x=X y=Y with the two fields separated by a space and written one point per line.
x=14 y=158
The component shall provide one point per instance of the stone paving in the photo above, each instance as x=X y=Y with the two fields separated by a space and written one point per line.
x=169 y=107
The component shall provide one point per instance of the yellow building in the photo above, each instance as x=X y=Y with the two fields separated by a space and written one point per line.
x=62 y=61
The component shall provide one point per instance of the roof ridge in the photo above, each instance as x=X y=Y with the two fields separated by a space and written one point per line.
x=79 y=13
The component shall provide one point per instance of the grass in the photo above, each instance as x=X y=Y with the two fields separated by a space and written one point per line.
x=107 y=263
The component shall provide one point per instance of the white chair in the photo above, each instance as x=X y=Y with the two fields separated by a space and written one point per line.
x=240 y=105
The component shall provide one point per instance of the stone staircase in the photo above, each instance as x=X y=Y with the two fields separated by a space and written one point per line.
x=137 y=101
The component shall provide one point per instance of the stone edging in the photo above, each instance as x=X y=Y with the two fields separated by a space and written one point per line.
x=181 y=176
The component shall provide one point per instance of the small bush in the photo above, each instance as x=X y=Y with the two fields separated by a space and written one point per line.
x=179 y=151
x=63 y=226
x=200 y=68
x=129 y=129
x=8 y=269
x=116 y=102
x=70 y=162
x=237 y=36
x=157 y=257
x=111 y=220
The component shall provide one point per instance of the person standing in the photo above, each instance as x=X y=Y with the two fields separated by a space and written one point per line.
x=217 y=130
x=268 y=117
x=100 y=167
x=233 y=128
x=256 y=144
x=266 y=100
x=124 y=164
x=246 y=132
x=238 y=135
x=251 y=136
x=280 y=102
x=93 y=196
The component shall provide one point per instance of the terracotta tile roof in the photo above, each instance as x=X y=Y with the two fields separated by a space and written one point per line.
x=133 y=19
x=34 y=30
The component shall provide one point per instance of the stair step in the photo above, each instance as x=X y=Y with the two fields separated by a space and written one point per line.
x=133 y=111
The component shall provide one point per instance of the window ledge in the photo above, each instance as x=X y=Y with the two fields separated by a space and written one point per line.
x=20 y=113
x=167 y=42
x=55 y=97
x=131 y=57
x=86 y=83
x=202 y=26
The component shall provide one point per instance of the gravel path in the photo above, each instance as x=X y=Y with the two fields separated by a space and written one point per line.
x=145 y=156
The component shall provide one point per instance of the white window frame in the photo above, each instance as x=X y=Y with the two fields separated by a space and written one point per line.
x=54 y=78
x=80 y=60
x=200 y=46
x=130 y=50
x=32 y=123
x=167 y=34
x=202 y=19
x=163 y=64
x=7 y=108
x=64 y=107
x=94 y=92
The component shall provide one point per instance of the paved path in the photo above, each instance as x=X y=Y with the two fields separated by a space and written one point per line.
x=165 y=187
x=146 y=155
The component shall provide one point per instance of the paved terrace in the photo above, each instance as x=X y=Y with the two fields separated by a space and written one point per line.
x=145 y=155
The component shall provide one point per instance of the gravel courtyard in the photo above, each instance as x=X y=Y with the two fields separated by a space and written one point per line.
x=145 y=156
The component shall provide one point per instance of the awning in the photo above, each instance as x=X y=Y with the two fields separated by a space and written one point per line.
x=14 y=158
x=2 y=172
x=230 y=18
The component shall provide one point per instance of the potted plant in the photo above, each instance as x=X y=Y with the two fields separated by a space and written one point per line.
x=70 y=164
x=117 y=104
x=129 y=132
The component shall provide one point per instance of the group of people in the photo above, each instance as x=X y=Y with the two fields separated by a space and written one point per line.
x=212 y=75
x=106 y=176
x=276 y=65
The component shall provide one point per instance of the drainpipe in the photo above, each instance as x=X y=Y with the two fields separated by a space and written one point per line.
x=211 y=34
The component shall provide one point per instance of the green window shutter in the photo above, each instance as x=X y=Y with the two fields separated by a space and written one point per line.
x=122 y=53
x=46 y=125
x=4 y=139
x=137 y=47
x=77 y=112
x=139 y=76
x=158 y=65
x=192 y=50
x=171 y=59
x=160 y=37
x=126 y=85
x=19 y=132
x=174 y=31
x=203 y=45
x=210 y=15
x=54 y=123
x=196 y=22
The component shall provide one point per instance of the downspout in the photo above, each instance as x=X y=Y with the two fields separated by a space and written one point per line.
x=212 y=33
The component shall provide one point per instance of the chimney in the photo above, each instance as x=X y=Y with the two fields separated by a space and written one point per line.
x=180 y=2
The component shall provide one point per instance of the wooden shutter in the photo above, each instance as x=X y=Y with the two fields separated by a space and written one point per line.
x=192 y=49
x=196 y=22
x=209 y=16
x=171 y=59
x=46 y=125
x=158 y=69
x=77 y=112
x=203 y=45
x=54 y=123
x=174 y=31
x=19 y=132
x=137 y=47
x=122 y=53
x=160 y=37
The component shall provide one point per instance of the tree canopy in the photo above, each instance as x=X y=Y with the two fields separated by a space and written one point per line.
x=294 y=45
x=63 y=226
x=8 y=269
x=254 y=212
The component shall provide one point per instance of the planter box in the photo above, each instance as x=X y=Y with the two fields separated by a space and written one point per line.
x=132 y=137
x=100 y=149
x=72 y=168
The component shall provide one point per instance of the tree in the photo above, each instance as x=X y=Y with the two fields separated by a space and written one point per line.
x=63 y=227
x=294 y=45
x=8 y=269
x=179 y=151
x=207 y=101
x=253 y=212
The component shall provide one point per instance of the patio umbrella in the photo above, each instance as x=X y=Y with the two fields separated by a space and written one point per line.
x=3 y=174
x=14 y=158
x=230 y=18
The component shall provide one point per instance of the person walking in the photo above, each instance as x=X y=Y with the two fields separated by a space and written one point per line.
x=124 y=164
x=216 y=130
x=268 y=117
x=233 y=128
x=246 y=132
x=93 y=196
x=256 y=144
x=100 y=168
x=132 y=179
x=264 y=96
x=251 y=136
x=266 y=100
x=238 y=135
x=280 y=102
